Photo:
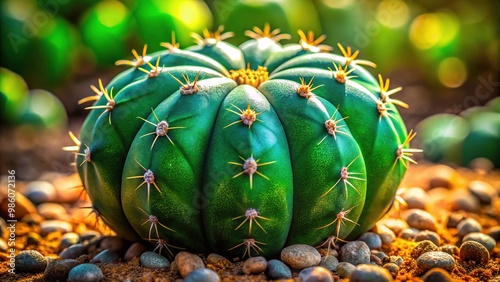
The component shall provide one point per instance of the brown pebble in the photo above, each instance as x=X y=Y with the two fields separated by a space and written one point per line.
x=421 y=220
x=134 y=251
x=441 y=176
x=475 y=251
x=23 y=207
x=187 y=262
x=437 y=275
x=423 y=247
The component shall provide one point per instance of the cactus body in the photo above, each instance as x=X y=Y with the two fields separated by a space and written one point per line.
x=243 y=150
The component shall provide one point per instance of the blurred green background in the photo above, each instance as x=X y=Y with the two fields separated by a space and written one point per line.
x=444 y=53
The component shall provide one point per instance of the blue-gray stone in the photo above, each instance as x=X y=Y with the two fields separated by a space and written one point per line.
x=481 y=238
x=355 y=252
x=73 y=252
x=58 y=270
x=300 y=256
x=435 y=259
x=329 y=262
x=344 y=269
x=154 y=261
x=202 y=275
x=373 y=240
x=106 y=256
x=254 y=265
x=277 y=269
x=467 y=226
x=30 y=261
x=315 y=274
x=86 y=272
x=370 y=273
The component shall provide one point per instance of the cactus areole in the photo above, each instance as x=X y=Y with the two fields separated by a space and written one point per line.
x=243 y=150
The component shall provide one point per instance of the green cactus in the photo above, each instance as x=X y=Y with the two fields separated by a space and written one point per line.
x=243 y=150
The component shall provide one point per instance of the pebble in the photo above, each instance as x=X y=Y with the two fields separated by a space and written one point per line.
x=379 y=254
x=386 y=234
x=3 y=245
x=68 y=239
x=415 y=198
x=85 y=272
x=396 y=260
x=30 y=261
x=437 y=275
x=23 y=206
x=113 y=243
x=40 y=192
x=494 y=232
x=202 y=275
x=450 y=249
x=370 y=273
x=395 y=224
x=329 y=262
x=462 y=200
x=88 y=235
x=219 y=261
x=430 y=260
x=33 y=238
x=33 y=219
x=3 y=227
x=483 y=191
x=467 y=226
x=442 y=176
x=277 y=269
x=454 y=219
x=315 y=274
x=52 y=211
x=300 y=256
x=344 y=269
x=428 y=235
x=481 y=238
x=73 y=252
x=371 y=239
x=187 y=262
x=254 y=265
x=471 y=250
x=375 y=259
x=134 y=251
x=58 y=269
x=106 y=256
x=392 y=267
x=423 y=247
x=153 y=260
x=421 y=220
x=49 y=226
x=409 y=233
x=355 y=252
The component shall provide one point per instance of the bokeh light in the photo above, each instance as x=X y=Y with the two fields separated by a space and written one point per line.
x=452 y=72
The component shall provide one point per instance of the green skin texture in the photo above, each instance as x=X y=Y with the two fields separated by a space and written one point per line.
x=200 y=195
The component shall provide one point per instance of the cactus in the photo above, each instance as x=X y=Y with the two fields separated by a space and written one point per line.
x=243 y=150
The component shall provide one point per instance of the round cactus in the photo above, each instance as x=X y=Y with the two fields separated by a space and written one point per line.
x=243 y=150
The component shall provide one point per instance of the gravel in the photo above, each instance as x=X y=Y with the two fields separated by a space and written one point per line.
x=254 y=265
x=474 y=251
x=187 y=262
x=276 y=269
